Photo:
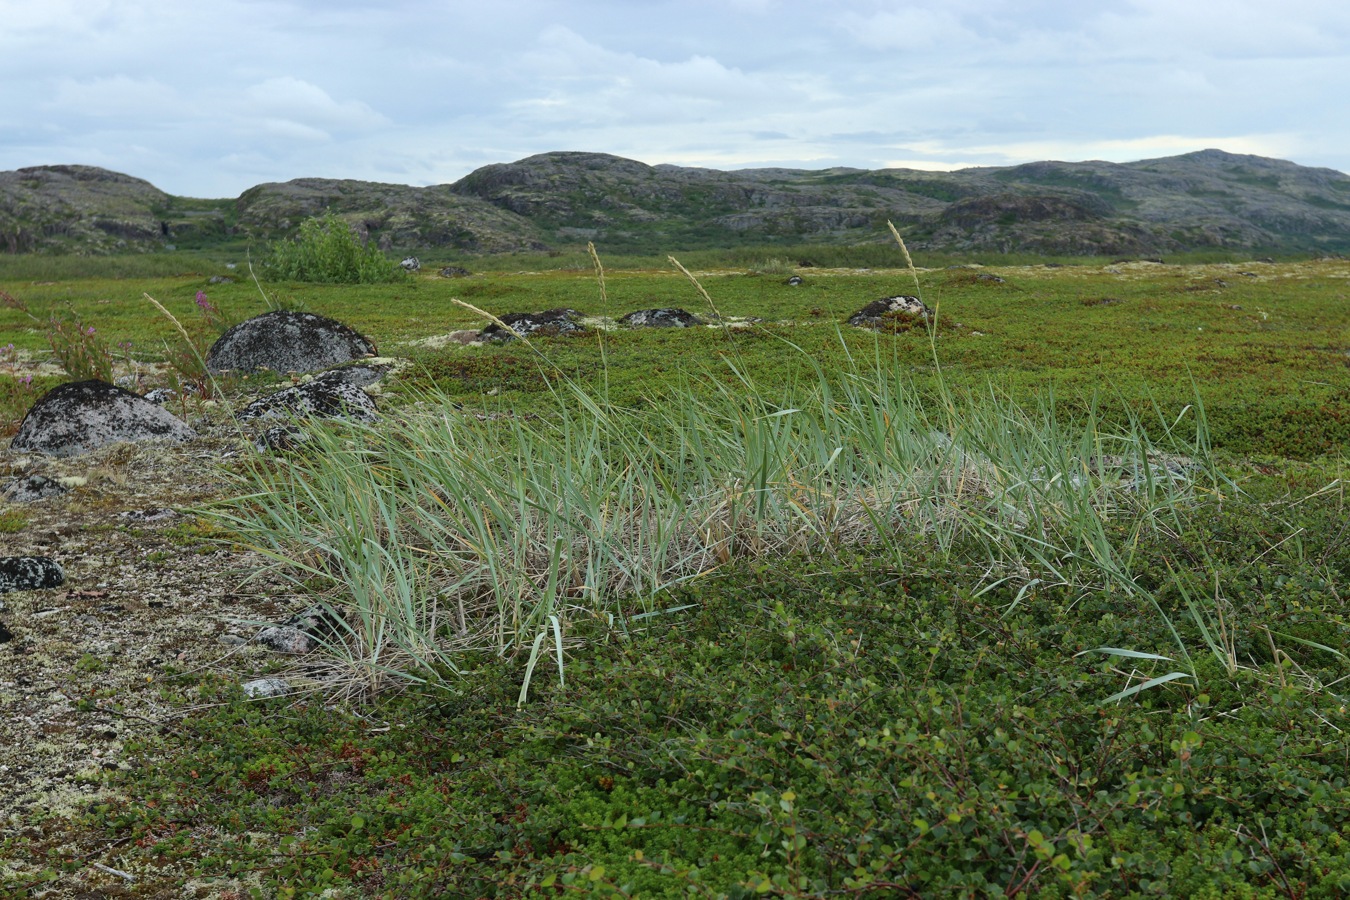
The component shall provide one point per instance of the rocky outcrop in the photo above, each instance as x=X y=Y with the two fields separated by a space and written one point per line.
x=287 y=341
x=85 y=415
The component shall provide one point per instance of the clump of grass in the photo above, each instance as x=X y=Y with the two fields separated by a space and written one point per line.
x=12 y=521
x=772 y=266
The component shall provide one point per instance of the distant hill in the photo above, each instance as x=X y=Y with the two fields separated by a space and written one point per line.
x=1208 y=199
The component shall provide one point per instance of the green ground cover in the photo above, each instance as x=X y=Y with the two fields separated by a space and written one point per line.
x=880 y=649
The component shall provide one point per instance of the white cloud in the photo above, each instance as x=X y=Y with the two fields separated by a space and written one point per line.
x=117 y=96
x=293 y=99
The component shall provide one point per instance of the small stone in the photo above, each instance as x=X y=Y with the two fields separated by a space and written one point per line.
x=794 y=281
x=153 y=514
x=160 y=396
x=220 y=279
x=29 y=573
x=5 y=634
x=302 y=632
x=262 y=688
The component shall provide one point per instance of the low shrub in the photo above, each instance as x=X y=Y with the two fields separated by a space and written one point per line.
x=327 y=250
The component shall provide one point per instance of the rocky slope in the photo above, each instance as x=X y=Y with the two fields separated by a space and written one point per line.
x=1208 y=199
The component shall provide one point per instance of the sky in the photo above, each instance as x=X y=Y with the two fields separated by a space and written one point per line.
x=206 y=98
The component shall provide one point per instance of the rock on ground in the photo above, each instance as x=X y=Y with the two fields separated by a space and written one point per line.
x=29 y=573
x=330 y=395
x=31 y=488
x=548 y=323
x=287 y=341
x=668 y=317
x=899 y=313
x=85 y=415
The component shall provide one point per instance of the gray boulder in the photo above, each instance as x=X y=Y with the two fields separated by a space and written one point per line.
x=31 y=488
x=669 y=317
x=29 y=573
x=287 y=341
x=900 y=313
x=85 y=415
x=454 y=272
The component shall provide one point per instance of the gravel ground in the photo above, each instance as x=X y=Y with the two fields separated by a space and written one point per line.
x=143 y=595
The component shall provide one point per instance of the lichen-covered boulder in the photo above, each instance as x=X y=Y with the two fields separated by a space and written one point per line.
x=549 y=323
x=667 y=317
x=334 y=394
x=900 y=313
x=85 y=415
x=287 y=341
x=32 y=488
x=29 y=573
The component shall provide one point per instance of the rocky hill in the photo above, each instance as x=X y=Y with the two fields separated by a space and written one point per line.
x=1208 y=199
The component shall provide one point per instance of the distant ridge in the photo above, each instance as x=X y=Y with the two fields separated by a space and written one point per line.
x=1201 y=200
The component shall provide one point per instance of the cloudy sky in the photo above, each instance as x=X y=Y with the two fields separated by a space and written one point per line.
x=206 y=98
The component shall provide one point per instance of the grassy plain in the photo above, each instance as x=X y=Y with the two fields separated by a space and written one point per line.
x=952 y=706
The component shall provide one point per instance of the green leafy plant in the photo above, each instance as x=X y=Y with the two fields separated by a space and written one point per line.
x=327 y=250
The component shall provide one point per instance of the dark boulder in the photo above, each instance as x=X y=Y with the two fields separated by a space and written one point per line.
x=29 y=573
x=794 y=281
x=287 y=341
x=669 y=317
x=900 y=313
x=454 y=272
x=85 y=415
x=549 y=323
x=334 y=394
x=31 y=488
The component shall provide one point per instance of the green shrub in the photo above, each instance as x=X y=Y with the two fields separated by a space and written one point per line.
x=326 y=250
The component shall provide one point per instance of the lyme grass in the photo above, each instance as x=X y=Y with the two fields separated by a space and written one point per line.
x=446 y=534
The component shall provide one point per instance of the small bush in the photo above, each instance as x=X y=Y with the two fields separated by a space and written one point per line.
x=326 y=250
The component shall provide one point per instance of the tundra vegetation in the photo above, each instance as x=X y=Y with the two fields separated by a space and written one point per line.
x=1046 y=597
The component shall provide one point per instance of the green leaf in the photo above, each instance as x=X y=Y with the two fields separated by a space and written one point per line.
x=1152 y=682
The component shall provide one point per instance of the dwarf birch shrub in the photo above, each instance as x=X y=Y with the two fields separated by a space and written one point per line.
x=327 y=250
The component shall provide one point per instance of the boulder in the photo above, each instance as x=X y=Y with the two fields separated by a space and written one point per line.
x=454 y=272
x=670 y=317
x=899 y=313
x=287 y=341
x=29 y=573
x=85 y=415
x=331 y=395
x=794 y=281
x=549 y=323
x=31 y=488
x=411 y=264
